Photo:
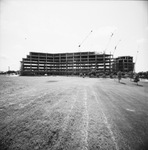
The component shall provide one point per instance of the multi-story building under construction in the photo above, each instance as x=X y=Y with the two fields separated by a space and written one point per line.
x=65 y=63
x=123 y=64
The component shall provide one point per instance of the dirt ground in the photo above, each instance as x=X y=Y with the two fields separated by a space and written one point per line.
x=72 y=113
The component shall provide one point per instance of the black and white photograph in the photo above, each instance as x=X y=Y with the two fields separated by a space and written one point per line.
x=73 y=75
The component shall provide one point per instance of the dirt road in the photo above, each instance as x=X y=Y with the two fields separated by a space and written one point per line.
x=72 y=113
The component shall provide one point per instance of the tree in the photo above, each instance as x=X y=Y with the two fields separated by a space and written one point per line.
x=119 y=74
x=131 y=75
x=136 y=79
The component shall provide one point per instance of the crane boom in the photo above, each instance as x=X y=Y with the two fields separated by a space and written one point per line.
x=116 y=46
x=85 y=38
x=136 y=57
x=136 y=61
x=108 y=43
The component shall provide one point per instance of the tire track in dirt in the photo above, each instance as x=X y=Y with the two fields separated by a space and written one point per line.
x=122 y=125
x=105 y=119
x=57 y=118
x=65 y=124
x=98 y=135
x=85 y=124
x=115 y=113
x=74 y=134
x=127 y=124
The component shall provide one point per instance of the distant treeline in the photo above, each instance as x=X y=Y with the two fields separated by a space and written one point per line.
x=130 y=74
x=9 y=72
x=143 y=75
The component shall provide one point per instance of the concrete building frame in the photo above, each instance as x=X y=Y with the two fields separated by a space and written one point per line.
x=37 y=63
x=124 y=64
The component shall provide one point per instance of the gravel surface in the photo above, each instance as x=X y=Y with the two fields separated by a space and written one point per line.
x=72 y=113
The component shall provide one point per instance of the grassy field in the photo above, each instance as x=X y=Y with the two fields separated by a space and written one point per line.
x=72 y=113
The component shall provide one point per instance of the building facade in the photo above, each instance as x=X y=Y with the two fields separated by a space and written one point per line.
x=65 y=63
x=123 y=64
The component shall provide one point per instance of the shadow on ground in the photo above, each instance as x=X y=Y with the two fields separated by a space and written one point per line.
x=122 y=83
x=52 y=81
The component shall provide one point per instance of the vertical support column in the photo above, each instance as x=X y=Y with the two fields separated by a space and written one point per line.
x=22 y=67
x=39 y=57
x=104 y=62
x=73 y=63
x=38 y=65
x=123 y=66
x=30 y=63
x=110 y=63
x=66 y=65
x=59 y=63
x=53 y=65
x=96 y=62
x=88 y=61
x=80 y=63
x=115 y=64
x=46 y=63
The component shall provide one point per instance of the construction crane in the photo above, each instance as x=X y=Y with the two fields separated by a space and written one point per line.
x=114 y=61
x=116 y=47
x=109 y=41
x=136 y=60
x=137 y=55
x=85 y=38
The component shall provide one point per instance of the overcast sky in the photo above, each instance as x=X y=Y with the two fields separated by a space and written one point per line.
x=60 y=26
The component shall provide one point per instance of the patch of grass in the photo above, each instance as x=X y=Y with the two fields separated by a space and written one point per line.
x=36 y=131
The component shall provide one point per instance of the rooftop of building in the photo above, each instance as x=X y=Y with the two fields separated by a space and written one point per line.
x=86 y=52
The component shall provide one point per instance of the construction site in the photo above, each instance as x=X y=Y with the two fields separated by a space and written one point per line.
x=65 y=63
x=74 y=63
x=66 y=112
x=73 y=75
